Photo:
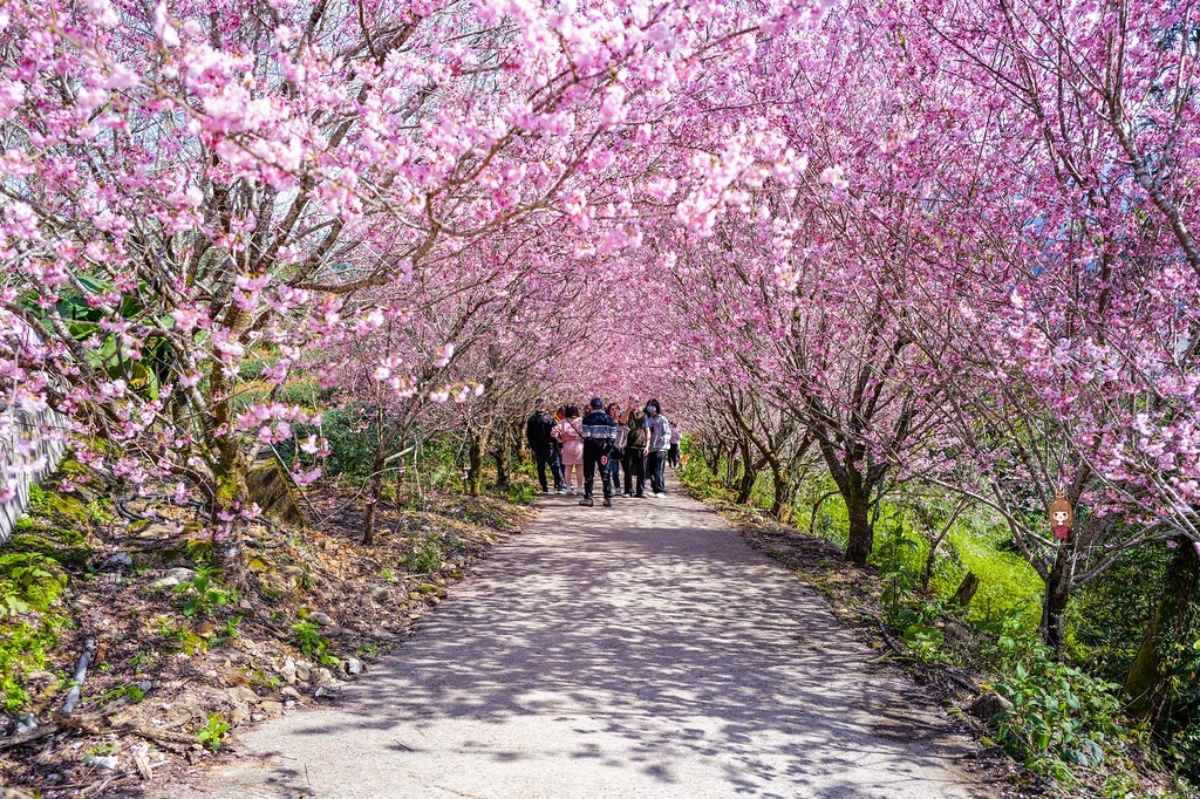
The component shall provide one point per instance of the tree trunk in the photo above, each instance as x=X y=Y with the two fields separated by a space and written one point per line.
x=781 y=508
x=501 y=468
x=228 y=534
x=1148 y=678
x=862 y=534
x=376 y=491
x=746 y=485
x=475 y=464
x=1059 y=583
x=966 y=590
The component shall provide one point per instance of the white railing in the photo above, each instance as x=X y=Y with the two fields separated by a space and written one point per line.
x=46 y=431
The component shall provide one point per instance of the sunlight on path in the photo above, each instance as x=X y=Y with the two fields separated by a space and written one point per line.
x=638 y=651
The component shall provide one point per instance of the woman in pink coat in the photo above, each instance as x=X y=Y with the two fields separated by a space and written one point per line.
x=569 y=433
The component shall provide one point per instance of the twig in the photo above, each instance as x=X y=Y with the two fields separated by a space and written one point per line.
x=963 y=683
x=887 y=638
x=37 y=733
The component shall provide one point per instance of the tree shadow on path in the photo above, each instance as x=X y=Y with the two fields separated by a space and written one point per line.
x=643 y=650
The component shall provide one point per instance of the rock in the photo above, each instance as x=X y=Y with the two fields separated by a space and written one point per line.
x=245 y=604
x=257 y=717
x=303 y=671
x=240 y=714
x=26 y=723
x=988 y=705
x=157 y=530
x=289 y=692
x=323 y=676
x=380 y=594
x=117 y=561
x=173 y=577
x=242 y=694
x=352 y=666
x=144 y=686
x=289 y=704
x=288 y=670
x=107 y=762
x=272 y=708
x=320 y=618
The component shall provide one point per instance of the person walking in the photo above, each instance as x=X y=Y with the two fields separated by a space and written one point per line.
x=599 y=433
x=569 y=434
x=541 y=443
x=673 y=450
x=556 y=461
x=660 y=441
x=635 y=451
x=618 y=449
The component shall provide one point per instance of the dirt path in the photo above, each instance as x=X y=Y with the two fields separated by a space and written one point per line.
x=638 y=651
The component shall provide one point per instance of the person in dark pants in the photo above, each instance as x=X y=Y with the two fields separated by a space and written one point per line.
x=673 y=451
x=537 y=433
x=660 y=441
x=635 y=451
x=599 y=433
x=617 y=454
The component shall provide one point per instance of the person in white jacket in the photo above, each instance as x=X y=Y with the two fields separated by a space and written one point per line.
x=660 y=443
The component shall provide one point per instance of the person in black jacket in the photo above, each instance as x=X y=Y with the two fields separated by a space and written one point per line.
x=599 y=433
x=636 y=441
x=537 y=433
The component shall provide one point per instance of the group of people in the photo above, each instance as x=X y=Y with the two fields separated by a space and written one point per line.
x=639 y=441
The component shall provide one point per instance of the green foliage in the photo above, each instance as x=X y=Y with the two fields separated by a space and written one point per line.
x=898 y=555
x=1009 y=588
x=24 y=646
x=1177 y=726
x=130 y=693
x=231 y=626
x=1062 y=719
x=1108 y=617
x=307 y=636
x=424 y=554
x=521 y=493
x=213 y=732
x=351 y=443
x=85 y=323
x=202 y=594
x=28 y=580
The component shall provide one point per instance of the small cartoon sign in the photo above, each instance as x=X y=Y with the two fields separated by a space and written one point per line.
x=1062 y=516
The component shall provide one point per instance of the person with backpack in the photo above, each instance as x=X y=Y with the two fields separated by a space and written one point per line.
x=569 y=434
x=660 y=442
x=599 y=433
x=635 y=451
x=541 y=443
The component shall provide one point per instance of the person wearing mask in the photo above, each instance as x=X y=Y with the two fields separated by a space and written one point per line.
x=569 y=434
x=599 y=433
x=618 y=449
x=635 y=451
x=541 y=443
x=660 y=441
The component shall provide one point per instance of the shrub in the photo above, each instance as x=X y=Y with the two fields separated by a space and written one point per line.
x=1062 y=719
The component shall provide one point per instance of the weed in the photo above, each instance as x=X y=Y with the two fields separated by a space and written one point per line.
x=32 y=578
x=201 y=595
x=307 y=636
x=210 y=735
x=130 y=693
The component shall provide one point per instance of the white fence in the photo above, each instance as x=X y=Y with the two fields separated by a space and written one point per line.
x=46 y=430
